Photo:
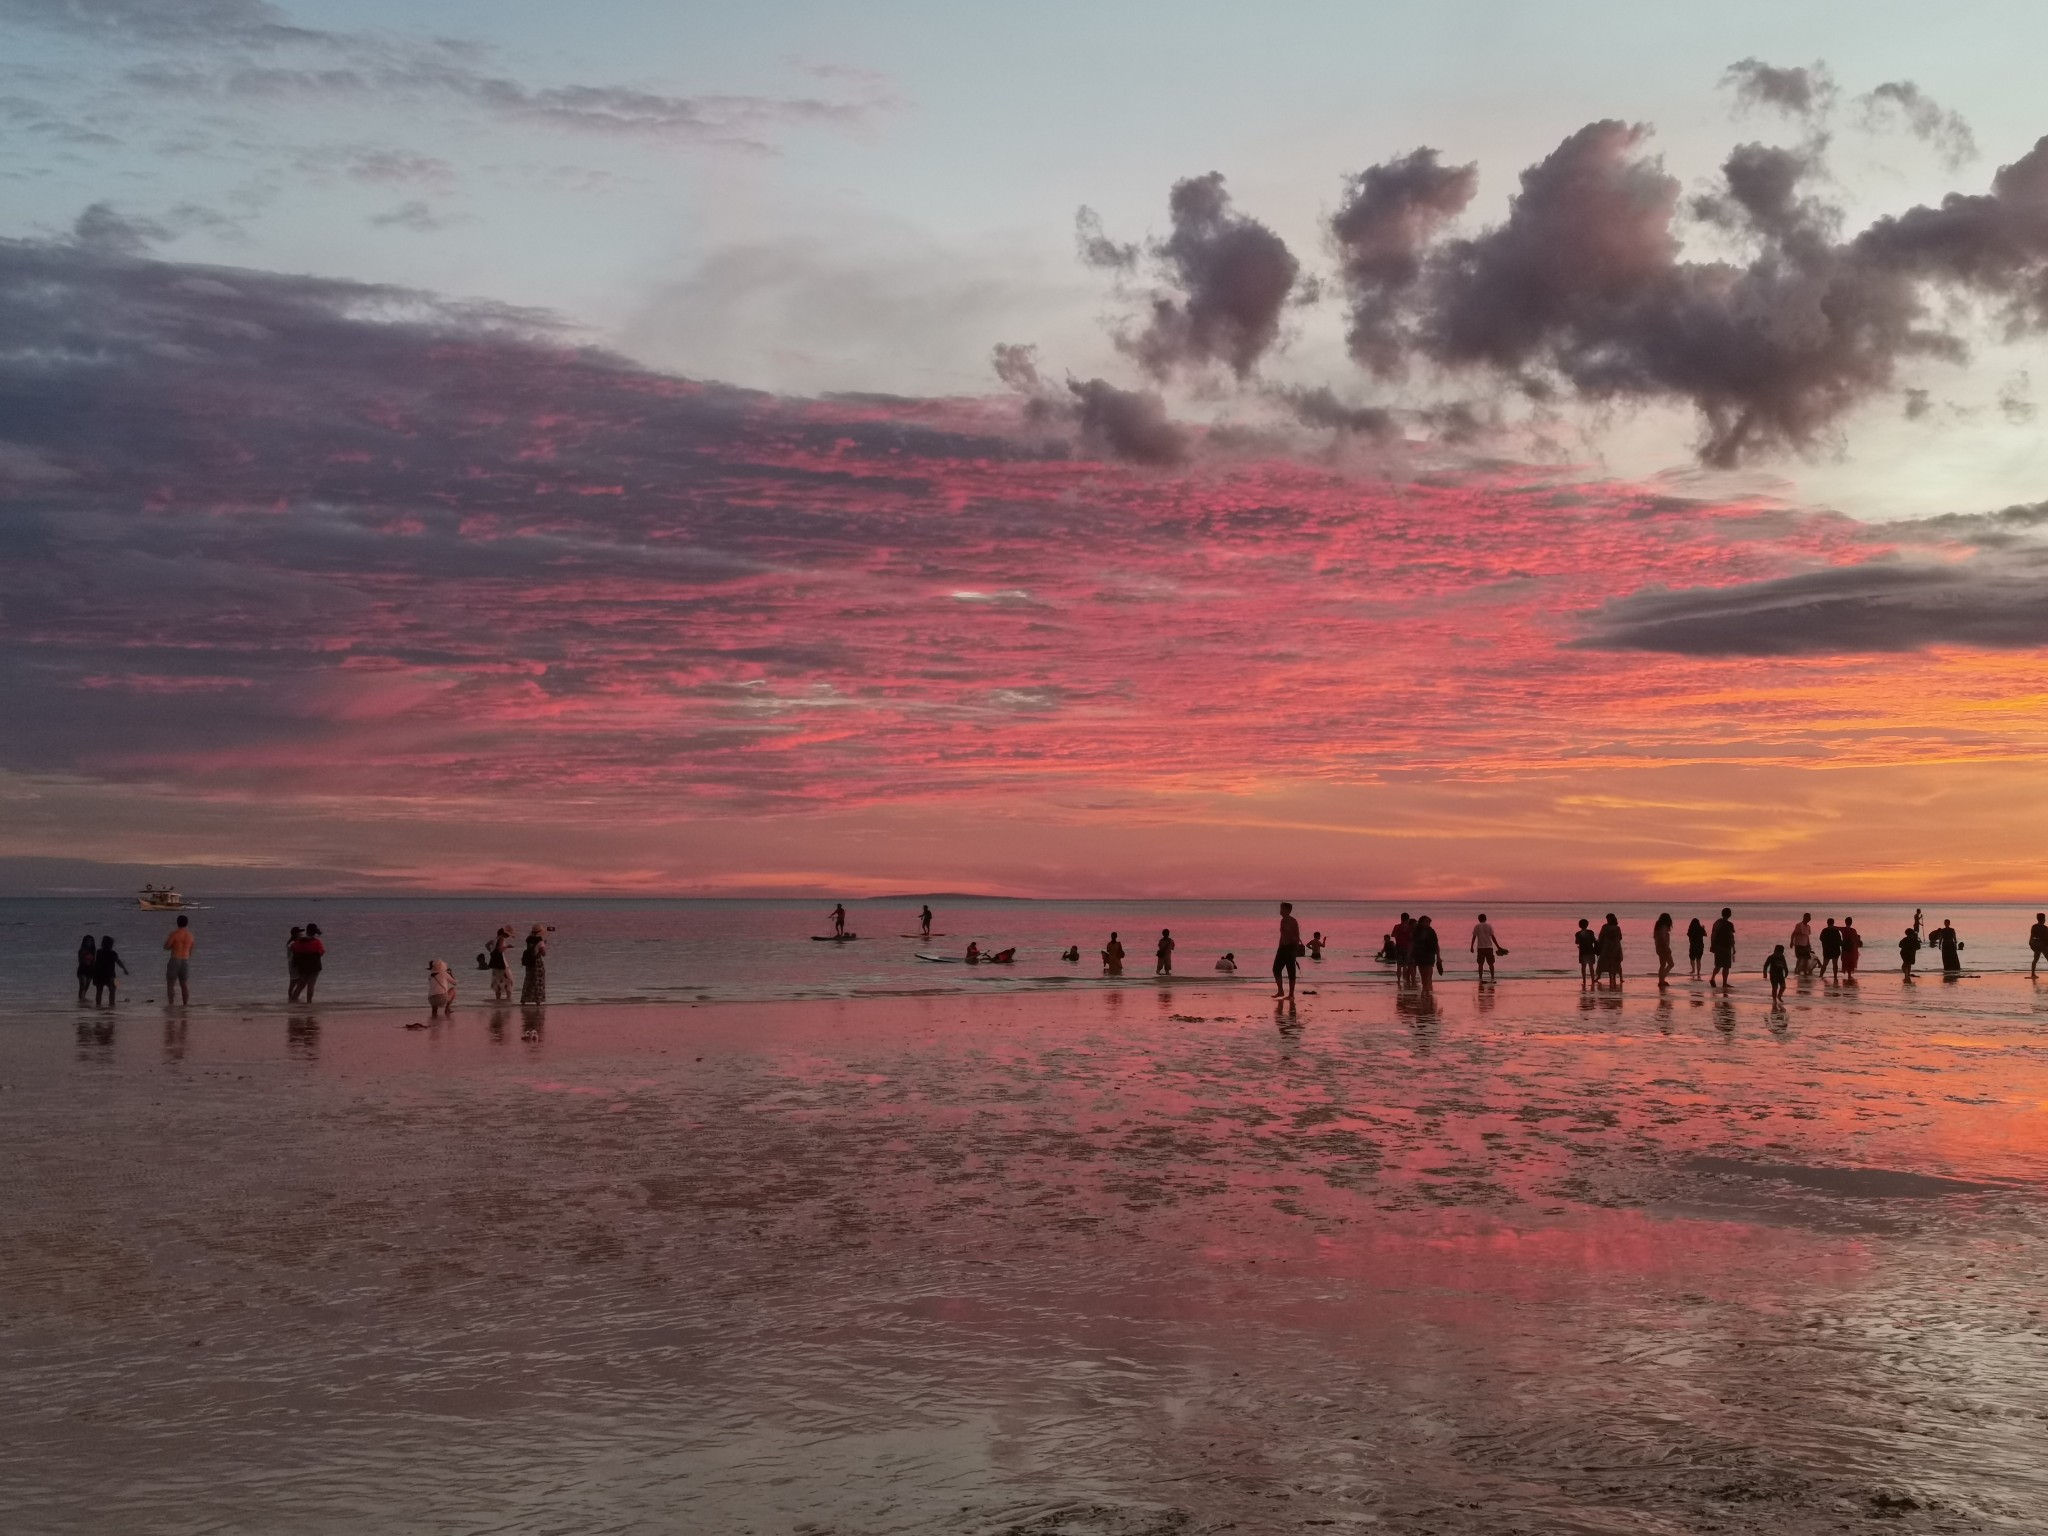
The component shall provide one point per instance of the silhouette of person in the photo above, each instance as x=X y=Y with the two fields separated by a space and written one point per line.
x=924 y=922
x=1831 y=950
x=1589 y=951
x=1722 y=942
x=1113 y=957
x=839 y=920
x=1484 y=946
x=1775 y=970
x=1802 y=943
x=1909 y=951
x=1287 y=955
x=1608 y=947
x=1660 y=937
x=1945 y=938
x=2037 y=941
x=1426 y=950
x=1695 y=945
x=1162 y=964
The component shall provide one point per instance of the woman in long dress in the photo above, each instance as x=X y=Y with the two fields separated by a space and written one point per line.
x=1610 y=949
x=535 y=962
x=1945 y=936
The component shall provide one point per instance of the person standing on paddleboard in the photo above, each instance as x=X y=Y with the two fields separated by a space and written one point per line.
x=839 y=921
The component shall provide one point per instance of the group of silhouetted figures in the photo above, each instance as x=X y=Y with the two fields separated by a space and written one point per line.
x=1832 y=952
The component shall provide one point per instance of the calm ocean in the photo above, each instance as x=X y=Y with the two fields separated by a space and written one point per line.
x=718 y=950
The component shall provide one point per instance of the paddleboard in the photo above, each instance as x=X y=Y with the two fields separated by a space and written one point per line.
x=923 y=935
x=833 y=938
x=943 y=959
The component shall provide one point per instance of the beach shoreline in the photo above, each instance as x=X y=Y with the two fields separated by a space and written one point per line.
x=1137 y=1259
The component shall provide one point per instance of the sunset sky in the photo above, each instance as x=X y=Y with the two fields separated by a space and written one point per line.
x=1336 y=449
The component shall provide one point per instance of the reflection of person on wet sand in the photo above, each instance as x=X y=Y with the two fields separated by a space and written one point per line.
x=1287 y=955
x=1113 y=956
x=1909 y=951
x=1776 y=969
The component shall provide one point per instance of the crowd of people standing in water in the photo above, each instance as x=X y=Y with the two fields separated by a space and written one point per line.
x=100 y=967
x=1832 y=952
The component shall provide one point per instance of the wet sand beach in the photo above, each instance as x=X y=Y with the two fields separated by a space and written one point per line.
x=1091 y=1262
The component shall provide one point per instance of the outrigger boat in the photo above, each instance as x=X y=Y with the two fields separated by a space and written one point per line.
x=161 y=898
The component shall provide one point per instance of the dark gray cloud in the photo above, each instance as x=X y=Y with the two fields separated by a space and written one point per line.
x=1800 y=90
x=1016 y=365
x=1389 y=215
x=1996 y=597
x=99 y=228
x=1096 y=249
x=1582 y=291
x=1904 y=103
x=1876 y=606
x=1128 y=424
x=1321 y=408
x=1224 y=282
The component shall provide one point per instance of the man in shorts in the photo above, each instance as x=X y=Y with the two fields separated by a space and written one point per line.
x=1722 y=942
x=178 y=969
x=1802 y=944
x=2037 y=940
x=1831 y=950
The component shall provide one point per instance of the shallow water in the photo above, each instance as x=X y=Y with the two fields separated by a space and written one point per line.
x=1139 y=1260
x=690 y=951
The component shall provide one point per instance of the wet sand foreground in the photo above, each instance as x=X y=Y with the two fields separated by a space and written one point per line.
x=1089 y=1263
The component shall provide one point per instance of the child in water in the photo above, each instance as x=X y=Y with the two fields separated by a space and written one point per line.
x=440 y=987
x=1777 y=968
x=1228 y=962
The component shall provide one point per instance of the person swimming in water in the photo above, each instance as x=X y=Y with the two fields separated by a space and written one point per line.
x=1228 y=962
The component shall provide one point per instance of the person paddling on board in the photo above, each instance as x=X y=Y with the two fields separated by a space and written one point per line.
x=924 y=922
x=839 y=921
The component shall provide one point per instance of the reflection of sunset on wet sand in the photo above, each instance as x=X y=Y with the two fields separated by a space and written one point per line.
x=1127 y=1261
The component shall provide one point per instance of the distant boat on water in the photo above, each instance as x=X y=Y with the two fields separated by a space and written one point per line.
x=161 y=898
